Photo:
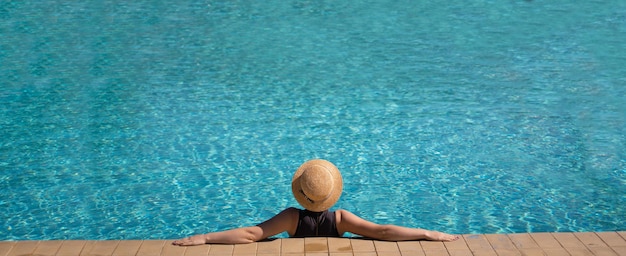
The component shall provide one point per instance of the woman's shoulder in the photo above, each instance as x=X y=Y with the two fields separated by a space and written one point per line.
x=342 y=211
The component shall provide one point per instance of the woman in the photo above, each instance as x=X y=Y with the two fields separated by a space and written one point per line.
x=316 y=185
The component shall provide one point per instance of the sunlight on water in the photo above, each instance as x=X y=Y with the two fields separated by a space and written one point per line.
x=146 y=119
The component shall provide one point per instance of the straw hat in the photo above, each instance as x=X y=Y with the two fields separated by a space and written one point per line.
x=317 y=185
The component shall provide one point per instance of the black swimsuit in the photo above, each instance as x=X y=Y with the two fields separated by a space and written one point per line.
x=311 y=224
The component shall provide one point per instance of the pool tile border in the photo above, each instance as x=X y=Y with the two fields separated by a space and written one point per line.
x=584 y=243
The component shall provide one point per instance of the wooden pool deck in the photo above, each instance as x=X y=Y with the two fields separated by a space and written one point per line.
x=589 y=243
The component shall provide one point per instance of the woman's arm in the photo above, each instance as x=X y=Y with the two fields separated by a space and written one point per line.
x=348 y=222
x=287 y=220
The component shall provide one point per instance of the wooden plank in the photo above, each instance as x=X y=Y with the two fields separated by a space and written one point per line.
x=436 y=253
x=531 y=252
x=556 y=251
x=603 y=251
x=127 y=248
x=337 y=254
x=362 y=254
x=525 y=244
x=590 y=239
x=339 y=245
x=97 y=248
x=23 y=248
x=89 y=244
x=221 y=249
x=612 y=239
x=460 y=253
x=386 y=246
x=594 y=243
x=410 y=248
x=620 y=250
x=568 y=240
x=477 y=242
x=500 y=241
x=431 y=245
x=479 y=245
x=48 y=248
x=362 y=245
x=523 y=240
x=578 y=251
x=315 y=245
x=173 y=250
x=433 y=248
x=545 y=240
x=502 y=244
x=458 y=247
x=269 y=247
x=293 y=246
x=5 y=247
x=582 y=243
x=151 y=247
x=245 y=249
x=571 y=243
x=197 y=250
x=71 y=248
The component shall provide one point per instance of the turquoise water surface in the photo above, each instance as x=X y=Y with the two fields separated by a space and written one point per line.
x=157 y=119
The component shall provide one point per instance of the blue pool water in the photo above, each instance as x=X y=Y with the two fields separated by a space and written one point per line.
x=156 y=119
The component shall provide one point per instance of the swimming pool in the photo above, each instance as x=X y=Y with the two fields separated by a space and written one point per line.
x=153 y=120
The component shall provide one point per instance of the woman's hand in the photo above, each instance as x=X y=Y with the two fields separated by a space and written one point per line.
x=192 y=240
